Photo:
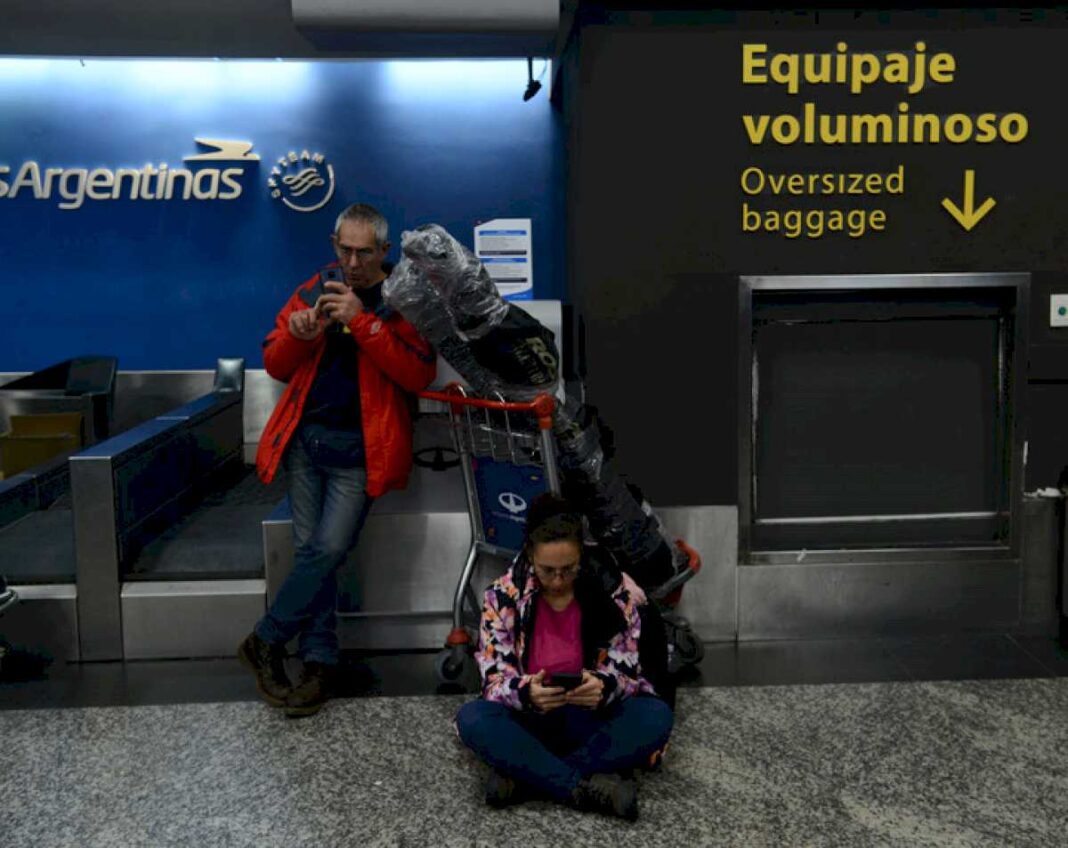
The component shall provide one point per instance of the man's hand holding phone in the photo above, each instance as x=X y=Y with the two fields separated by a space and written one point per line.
x=338 y=302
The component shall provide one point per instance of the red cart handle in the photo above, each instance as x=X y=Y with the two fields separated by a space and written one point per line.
x=542 y=405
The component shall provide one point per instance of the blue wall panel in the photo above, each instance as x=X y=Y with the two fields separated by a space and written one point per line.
x=173 y=284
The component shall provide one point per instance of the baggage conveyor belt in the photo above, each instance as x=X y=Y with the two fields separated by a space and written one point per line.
x=39 y=547
x=222 y=538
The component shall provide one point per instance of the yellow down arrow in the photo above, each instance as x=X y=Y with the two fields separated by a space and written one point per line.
x=969 y=216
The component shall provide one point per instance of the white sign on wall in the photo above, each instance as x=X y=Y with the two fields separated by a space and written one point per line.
x=504 y=247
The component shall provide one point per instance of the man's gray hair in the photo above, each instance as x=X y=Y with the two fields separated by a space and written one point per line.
x=368 y=215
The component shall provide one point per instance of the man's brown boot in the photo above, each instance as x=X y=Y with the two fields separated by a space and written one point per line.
x=267 y=662
x=312 y=690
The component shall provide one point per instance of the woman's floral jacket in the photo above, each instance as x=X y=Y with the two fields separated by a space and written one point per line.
x=611 y=629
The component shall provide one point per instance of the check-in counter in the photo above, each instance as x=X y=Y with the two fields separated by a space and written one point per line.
x=37 y=557
x=140 y=552
x=83 y=386
x=44 y=417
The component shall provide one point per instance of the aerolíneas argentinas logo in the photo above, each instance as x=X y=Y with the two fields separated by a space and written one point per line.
x=204 y=178
x=302 y=182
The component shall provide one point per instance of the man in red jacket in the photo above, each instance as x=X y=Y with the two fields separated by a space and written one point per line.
x=343 y=433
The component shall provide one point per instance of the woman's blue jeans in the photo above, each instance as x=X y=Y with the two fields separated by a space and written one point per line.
x=329 y=507
x=553 y=751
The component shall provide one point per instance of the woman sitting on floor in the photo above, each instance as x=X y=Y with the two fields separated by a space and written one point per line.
x=561 y=612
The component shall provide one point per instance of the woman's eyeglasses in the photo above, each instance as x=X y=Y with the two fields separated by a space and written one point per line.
x=566 y=572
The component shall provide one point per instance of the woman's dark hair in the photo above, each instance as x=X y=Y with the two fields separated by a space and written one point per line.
x=551 y=518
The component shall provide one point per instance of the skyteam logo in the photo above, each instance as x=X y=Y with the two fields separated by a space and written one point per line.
x=304 y=183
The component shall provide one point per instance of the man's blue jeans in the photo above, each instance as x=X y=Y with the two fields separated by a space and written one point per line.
x=552 y=751
x=329 y=507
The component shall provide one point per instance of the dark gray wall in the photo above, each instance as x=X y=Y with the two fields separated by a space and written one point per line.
x=224 y=28
x=259 y=28
x=656 y=148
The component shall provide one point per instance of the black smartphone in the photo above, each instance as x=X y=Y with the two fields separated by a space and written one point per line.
x=567 y=681
x=311 y=296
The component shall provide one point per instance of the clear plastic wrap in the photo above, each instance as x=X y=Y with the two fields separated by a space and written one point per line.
x=409 y=291
x=443 y=290
x=619 y=518
x=458 y=277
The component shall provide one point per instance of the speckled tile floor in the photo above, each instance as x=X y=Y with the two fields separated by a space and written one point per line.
x=953 y=763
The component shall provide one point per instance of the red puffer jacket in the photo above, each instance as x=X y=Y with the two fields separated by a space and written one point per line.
x=394 y=360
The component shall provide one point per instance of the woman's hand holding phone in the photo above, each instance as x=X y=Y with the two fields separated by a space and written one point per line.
x=545 y=698
x=567 y=681
x=588 y=693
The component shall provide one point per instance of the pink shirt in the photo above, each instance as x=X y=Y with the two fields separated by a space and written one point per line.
x=556 y=645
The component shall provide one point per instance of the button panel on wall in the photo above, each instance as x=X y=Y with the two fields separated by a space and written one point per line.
x=1058 y=310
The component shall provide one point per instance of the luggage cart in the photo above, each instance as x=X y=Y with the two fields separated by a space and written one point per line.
x=507 y=456
x=507 y=459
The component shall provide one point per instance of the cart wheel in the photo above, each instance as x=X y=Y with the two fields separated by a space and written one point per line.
x=684 y=648
x=454 y=667
x=691 y=650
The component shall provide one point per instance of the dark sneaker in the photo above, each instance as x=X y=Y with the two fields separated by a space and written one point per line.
x=267 y=662
x=610 y=794
x=501 y=790
x=312 y=691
